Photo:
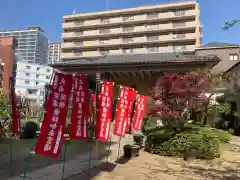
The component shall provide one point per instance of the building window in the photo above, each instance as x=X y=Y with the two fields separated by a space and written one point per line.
x=104 y=21
x=152 y=26
x=233 y=57
x=127 y=51
x=104 y=31
x=179 y=48
x=47 y=77
x=153 y=15
x=77 y=43
x=103 y=41
x=128 y=18
x=153 y=49
x=27 y=74
x=179 y=13
x=37 y=75
x=152 y=38
x=128 y=40
x=27 y=82
x=179 y=36
x=48 y=70
x=79 y=33
x=37 y=83
x=177 y=25
x=28 y=67
x=128 y=29
x=78 y=53
x=79 y=23
x=104 y=52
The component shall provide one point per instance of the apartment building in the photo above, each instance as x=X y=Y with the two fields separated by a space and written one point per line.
x=32 y=44
x=31 y=79
x=54 y=50
x=7 y=46
x=163 y=28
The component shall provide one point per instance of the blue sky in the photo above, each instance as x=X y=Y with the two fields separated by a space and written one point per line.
x=17 y=14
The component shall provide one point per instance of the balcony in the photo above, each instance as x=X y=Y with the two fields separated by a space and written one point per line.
x=179 y=36
x=127 y=40
x=95 y=54
x=104 y=52
x=179 y=13
x=116 y=42
x=127 y=18
x=105 y=21
x=135 y=19
x=72 y=44
x=104 y=31
x=153 y=15
x=179 y=25
x=128 y=29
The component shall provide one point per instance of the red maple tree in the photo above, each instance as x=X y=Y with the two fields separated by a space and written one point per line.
x=175 y=95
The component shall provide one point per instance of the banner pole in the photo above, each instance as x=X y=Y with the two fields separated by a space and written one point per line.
x=11 y=143
x=64 y=160
x=90 y=127
x=97 y=92
x=111 y=135
x=90 y=152
x=119 y=144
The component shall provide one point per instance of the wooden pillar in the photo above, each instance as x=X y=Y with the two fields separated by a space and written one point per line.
x=96 y=143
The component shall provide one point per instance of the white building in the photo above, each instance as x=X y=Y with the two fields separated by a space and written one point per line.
x=31 y=79
x=54 y=50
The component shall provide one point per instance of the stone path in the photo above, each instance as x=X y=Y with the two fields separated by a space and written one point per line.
x=74 y=167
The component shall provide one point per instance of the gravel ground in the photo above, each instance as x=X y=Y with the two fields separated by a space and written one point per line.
x=154 y=167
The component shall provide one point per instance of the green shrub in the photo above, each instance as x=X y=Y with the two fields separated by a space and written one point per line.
x=30 y=130
x=204 y=146
x=223 y=136
x=204 y=142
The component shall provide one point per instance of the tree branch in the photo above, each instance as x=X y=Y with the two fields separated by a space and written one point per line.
x=230 y=24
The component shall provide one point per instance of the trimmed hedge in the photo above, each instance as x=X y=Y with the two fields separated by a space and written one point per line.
x=202 y=141
x=30 y=130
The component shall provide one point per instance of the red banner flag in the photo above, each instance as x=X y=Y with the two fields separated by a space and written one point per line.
x=80 y=108
x=103 y=124
x=16 y=122
x=93 y=101
x=51 y=135
x=140 y=110
x=122 y=111
x=130 y=110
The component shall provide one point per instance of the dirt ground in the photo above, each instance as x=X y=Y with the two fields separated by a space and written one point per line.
x=154 y=167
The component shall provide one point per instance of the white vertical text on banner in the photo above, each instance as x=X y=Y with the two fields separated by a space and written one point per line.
x=51 y=135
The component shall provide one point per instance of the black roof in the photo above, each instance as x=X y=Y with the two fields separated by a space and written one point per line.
x=133 y=58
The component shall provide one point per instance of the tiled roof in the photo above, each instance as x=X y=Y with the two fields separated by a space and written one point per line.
x=134 y=58
x=220 y=44
x=223 y=66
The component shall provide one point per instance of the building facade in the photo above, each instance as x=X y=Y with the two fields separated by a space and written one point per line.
x=154 y=29
x=54 y=50
x=229 y=55
x=31 y=79
x=32 y=44
x=6 y=62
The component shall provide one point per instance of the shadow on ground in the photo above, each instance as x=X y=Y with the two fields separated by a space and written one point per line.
x=96 y=171
x=22 y=147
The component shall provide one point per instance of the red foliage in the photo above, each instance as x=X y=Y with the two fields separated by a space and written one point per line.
x=174 y=94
